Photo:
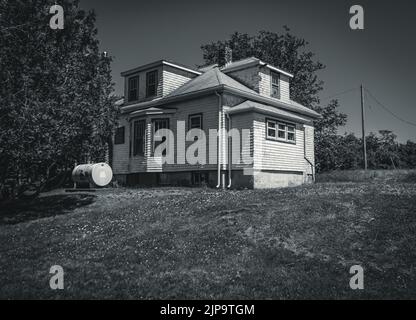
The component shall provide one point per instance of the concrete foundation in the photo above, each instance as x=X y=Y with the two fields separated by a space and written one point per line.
x=277 y=179
x=259 y=180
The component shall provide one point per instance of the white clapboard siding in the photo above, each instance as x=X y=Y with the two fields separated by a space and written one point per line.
x=154 y=164
x=174 y=78
x=309 y=147
x=266 y=82
x=240 y=122
x=284 y=88
x=120 y=163
x=275 y=155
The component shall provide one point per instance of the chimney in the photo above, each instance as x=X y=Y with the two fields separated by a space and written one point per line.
x=228 y=55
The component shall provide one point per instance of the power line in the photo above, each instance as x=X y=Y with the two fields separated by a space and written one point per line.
x=388 y=110
x=340 y=93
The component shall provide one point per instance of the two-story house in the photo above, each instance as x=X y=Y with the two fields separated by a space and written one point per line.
x=248 y=94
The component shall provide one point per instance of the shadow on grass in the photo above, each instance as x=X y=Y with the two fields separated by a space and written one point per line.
x=43 y=207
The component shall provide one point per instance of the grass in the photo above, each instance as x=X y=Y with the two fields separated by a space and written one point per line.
x=399 y=175
x=181 y=243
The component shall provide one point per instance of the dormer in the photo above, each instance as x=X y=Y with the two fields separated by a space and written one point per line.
x=261 y=77
x=155 y=80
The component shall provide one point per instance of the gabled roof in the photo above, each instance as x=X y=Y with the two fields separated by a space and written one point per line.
x=252 y=61
x=211 y=78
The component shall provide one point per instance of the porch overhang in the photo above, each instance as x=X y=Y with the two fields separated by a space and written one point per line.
x=151 y=112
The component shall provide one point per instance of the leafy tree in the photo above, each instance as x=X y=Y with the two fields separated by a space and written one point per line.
x=282 y=50
x=55 y=93
x=407 y=154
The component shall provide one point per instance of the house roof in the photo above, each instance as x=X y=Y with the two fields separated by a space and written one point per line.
x=214 y=80
x=252 y=61
x=211 y=78
x=206 y=68
x=248 y=105
x=160 y=62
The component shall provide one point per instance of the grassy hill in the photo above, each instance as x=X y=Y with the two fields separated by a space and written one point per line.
x=203 y=243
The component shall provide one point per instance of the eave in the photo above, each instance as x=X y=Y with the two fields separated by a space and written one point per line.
x=222 y=89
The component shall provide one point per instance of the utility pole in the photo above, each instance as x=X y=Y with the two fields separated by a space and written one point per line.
x=363 y=128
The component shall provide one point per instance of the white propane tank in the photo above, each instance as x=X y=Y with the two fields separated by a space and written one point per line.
x=97 y=174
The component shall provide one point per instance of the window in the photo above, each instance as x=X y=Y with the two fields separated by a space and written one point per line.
x=195 y=121
x=199 y=178
x=271 y=129
x=290 y=133
x=275 y=85
x=157 y=125
x=151 y=83
x=119 y=136
x=139 y=130
x=134 y=88
x=280 y=131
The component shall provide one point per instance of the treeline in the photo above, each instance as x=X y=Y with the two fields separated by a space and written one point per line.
x=345 y=152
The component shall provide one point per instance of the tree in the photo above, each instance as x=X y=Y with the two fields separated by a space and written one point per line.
x=328 y=145
x=407 y=154
x=55 y=102
x=282 y=50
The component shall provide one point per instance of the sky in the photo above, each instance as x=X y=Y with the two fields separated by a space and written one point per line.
x=382 y=57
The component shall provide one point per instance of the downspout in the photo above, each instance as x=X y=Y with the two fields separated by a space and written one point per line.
x=304 y=155
x=229 y=151
x=219 y=140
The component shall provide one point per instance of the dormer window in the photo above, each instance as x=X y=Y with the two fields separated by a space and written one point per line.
x=275 y=90
x=151 y=83
x=134 y=88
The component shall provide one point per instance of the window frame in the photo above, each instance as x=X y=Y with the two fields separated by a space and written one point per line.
x=148 y=74
x=154 y=131
x=129 y=88
x=136 y=151
x=195 y=115
x=275 y=85
x=118 y=137
x=286 y=125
